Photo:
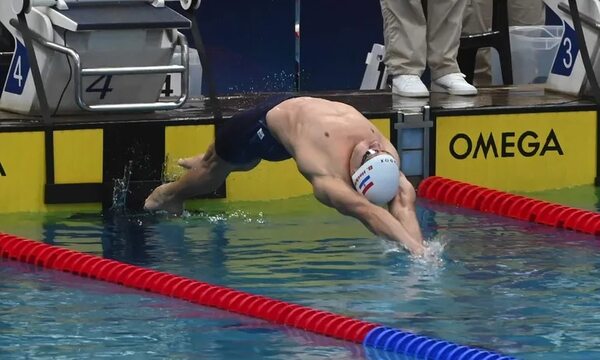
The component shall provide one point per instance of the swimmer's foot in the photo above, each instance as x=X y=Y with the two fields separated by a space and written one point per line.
x=162 y=199
x=190 y=162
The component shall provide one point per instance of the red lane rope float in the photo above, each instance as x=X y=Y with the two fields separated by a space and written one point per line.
x=272 y=310
x=369 y=334
x=506 y=204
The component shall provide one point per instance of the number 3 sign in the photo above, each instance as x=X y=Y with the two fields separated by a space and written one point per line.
x=567 y=53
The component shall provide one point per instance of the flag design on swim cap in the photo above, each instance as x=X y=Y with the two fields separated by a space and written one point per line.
x=366 y=183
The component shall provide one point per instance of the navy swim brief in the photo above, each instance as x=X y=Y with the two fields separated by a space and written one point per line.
x=245 y=137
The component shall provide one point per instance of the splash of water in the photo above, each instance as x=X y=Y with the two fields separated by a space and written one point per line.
x=225 y=216
x=121 y=189
x=434 y=249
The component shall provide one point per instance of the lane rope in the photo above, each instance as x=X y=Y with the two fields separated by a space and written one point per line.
x=502 y=203
x=371 y=335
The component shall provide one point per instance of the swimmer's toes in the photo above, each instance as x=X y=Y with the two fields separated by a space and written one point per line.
x=185 y=163
x=190 y=162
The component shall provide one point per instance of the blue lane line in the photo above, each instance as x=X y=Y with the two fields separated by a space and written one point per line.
x=423 y=347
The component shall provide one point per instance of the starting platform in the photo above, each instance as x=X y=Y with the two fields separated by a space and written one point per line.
x=83 y=122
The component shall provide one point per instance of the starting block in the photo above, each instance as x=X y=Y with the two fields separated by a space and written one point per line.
x=567 y=73
x=98 y=56
x=375 y=76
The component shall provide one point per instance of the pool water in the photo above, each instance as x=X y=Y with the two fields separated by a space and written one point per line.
x=518 y=288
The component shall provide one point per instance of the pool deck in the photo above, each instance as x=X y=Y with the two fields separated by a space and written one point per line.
x=79 y=158
x=373 y=104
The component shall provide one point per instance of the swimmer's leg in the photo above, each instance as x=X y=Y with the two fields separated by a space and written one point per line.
x=206 y=173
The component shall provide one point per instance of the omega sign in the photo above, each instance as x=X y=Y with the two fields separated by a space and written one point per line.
x=504 y=145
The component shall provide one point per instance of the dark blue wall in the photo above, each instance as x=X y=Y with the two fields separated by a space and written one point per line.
x=250 y=43
x=336 y=36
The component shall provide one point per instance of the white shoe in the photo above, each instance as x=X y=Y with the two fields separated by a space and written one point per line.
x=409 y=85
x=454 y=84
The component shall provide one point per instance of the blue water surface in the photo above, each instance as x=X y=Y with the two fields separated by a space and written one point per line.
x=522 y=289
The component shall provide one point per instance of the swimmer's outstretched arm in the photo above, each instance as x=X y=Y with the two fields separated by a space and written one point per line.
x=402 y=207
x=339 y=195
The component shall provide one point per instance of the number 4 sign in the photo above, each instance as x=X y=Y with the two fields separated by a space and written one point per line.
x=18 y=72
x=172 y=86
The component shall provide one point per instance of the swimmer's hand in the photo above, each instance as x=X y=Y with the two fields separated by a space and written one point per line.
x=414 y=247
x=432 y=251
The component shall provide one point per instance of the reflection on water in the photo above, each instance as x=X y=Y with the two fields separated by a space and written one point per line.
x=522 y=289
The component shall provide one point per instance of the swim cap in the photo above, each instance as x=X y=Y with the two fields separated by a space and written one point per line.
x=378 y=179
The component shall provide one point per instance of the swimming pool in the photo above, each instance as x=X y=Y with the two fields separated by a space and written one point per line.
x=522 y=289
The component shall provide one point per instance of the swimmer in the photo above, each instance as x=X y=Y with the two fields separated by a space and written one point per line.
x=351 y=166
